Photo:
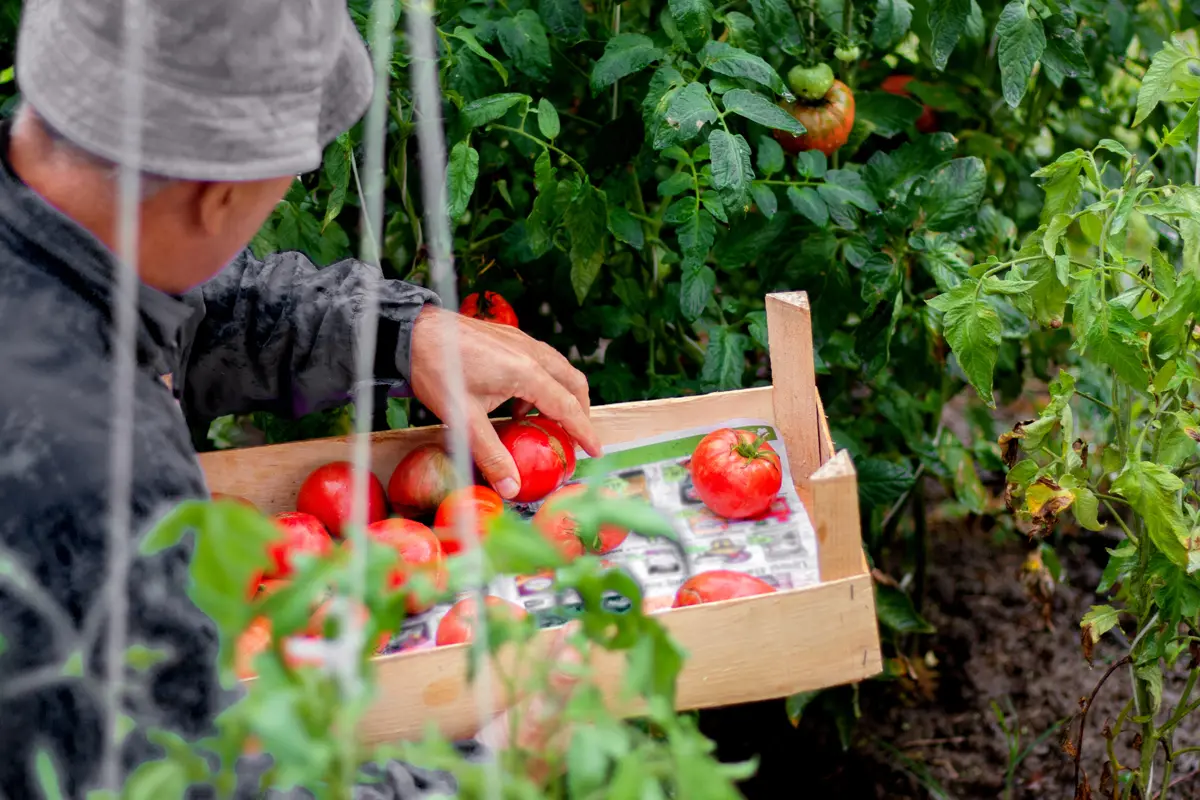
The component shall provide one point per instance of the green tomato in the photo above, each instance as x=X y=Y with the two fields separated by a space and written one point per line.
x=810 y=83
x=847 y=54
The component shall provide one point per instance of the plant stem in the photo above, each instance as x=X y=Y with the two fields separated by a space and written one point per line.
x=509 y=129
x=1096 y=400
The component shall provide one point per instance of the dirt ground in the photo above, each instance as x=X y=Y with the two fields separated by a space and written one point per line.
x=991 y=645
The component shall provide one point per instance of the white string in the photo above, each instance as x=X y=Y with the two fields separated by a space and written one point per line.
x=123 y=346
x=432 y=151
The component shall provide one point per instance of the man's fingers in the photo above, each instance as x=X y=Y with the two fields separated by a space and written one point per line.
x=492 y=457
x=561 y=369
x=521 y=409
x=553 y=400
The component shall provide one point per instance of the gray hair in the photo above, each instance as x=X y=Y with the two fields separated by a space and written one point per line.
x=149 y=183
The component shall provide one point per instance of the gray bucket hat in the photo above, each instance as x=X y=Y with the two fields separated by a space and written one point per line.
x=233 y=89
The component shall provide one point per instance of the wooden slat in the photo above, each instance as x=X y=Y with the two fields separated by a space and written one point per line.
x=739 y=651
x=789 y=329
x=835 y=516
x=270 y=476
x=825 y=446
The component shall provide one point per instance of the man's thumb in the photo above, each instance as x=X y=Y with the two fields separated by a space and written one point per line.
x=493 y=458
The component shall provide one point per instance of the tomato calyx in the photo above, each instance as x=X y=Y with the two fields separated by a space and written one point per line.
x=752 y=449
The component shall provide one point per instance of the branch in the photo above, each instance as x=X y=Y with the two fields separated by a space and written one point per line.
x=1084 y=712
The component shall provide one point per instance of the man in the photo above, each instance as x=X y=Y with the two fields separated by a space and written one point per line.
x=238 y=97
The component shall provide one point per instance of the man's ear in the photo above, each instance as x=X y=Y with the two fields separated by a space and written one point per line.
x=216 y=203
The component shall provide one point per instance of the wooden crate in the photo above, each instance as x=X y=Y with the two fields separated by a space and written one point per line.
x=739 y=651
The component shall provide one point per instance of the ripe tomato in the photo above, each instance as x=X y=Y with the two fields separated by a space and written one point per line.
x=735 y=473
x=256 y=639
x=897 y=84
x=458 y=625
x=302 y=533
x=540 y=457
x=720 y=584
x=490 y=307
x=419 y=550
x=421 y=480
x=558 y=433
x=233 y=498
x=486 y=503
x=328 y=493
x=828 y=122
x=559 y=526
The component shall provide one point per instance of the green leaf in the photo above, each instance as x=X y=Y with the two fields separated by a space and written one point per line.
x=514 y=547
x=757 y=328
x=947 y=21
x=886 y=114
x=812 y=164
x=770 y=156
x=696 y=234
x=587 y=220
x=467 y=37
x=754 y=106
x=47 y=774
x=1151 y=676
x=625 y=228
x=141 y=658
x=1064 y=188
x=765 y=199
x=742 y=32
x=893 y=18
x=882 y=482
x=798 y=702
x=697 y=284
x=1099 y=621
x=337 y=175
x=972 y=330
x=461 y=175
x=951 y=199
x=693 y=18
x=1064 y=56
x=1021 y=43
x=725 y=59
x=564 y=18
x=678 y=183
x=1151 y=491
x=524 y=41
x=1168 y=65
x=897 y=613
x=777 y=18
x=548 y=122
x=624 y=55
x=724 y=359
x=397 y=413
x=1086 y=508
x=489 y=109
x=690 y=110
x=732 y=174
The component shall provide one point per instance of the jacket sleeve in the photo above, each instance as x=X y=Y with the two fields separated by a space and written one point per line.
x=281 y=335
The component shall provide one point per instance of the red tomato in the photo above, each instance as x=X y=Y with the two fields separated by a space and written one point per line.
x=828 y=122
x=735 y=474
x=302 y=533
x=328 y=494
x=233 y=498
x=420 y=551
x=897 y=84
x=421 y=480
x=558 y=433
x=560 y=527
x=720 y=584
x=486 y=503
x=490 y=307
x=458 y=625
x=541 y=458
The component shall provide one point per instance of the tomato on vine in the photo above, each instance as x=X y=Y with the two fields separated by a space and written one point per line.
x=490 y=307
x=810 y=83
x=848 y=54
x=827 y=121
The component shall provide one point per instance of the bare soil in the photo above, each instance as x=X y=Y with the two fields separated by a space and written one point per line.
x=992 y=644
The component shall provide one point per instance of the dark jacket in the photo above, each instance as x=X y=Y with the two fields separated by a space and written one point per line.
x=273 y=335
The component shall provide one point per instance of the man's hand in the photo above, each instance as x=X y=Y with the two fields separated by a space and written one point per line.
x=498 y=363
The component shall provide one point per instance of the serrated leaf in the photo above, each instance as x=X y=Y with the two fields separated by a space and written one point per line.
x=973 y=332
x=813 y=164
x=564 y=18
x=586 y=220
x=1167 y=65
x=725 y=59
x=468 y=38
x=757 y=328
x=696 y=235
x=693 y=18
x=337 y=174
x=947 y=21
x=882 y=482
x=724 y=359
x=489 y=109
x=742 y=31
x=523 y=38
x=897 y=613
x=951 y=198
x=777 y=17
x=770 y=156
x=1021 y=43
x=1099 y=621
x=548 y=122
x=886 y=114
x=624 y=228
x=731 y=170
x=690 y=110
x=765 y=199
x=1150 y=490
x=624 y=55
x=697 y=284
x=893 y=18
x=461 y=174
x=753 y=106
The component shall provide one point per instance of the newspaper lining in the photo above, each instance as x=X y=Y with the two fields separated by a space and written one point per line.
x=780 y=547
